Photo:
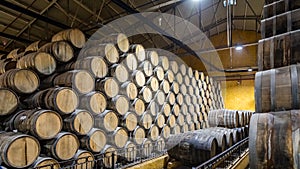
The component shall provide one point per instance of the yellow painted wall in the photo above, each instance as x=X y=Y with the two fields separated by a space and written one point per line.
x=239 y=95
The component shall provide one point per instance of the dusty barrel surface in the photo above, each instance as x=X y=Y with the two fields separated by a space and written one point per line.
x=45 y=163
x=95 y=102
x=118 y=137
x=108 y=121
x=62 y=51
x=84 y=160
x=94 y=141
x=74 y=36
x=79 y=122
x=9 y=101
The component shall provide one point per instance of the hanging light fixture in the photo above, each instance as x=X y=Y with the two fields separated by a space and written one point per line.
x=230 y=2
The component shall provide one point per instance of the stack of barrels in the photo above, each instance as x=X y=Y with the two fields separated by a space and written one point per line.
x=274 y=138
x=69 y=99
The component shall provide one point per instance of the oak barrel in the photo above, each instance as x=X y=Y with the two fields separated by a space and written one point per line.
x=62 y=51
x=153 y=83
x=160 y=145
x=129 y=121
x=84 y=160
x=9 y=101
x=130 y=151
x=138 y=135
x=108 y=51
x=164 y=62
x=109 y=86
x=120 y=72
x=160 y=120
x=79 y=122
x=138 y=106
x=146 y=68
x=94 y=64
x=160 y=97
x=94 y=141
x=145 y=94
x=35 y=46
x=118 y=39
x=95 y=102
x=159 y=73
x=7 y=64
x=139 y=52
x=119 y=103
x=165 y=132
x=145 y=120
x=147 y=148
x=129 y=60
x=45 y=163
x=118 y=137
x=74 y=36
x=152 y=108
x=153 y=132
x=153 y=57
x=110 y=156
x=139 y=78
x=108 y=120
x=129 y=89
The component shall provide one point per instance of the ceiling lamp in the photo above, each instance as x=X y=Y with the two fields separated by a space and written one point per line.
x=230 y=2
x=238 y=47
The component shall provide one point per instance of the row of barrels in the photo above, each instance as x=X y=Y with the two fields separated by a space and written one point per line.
x=196 y=147
x=277 y=7
x=229 y=118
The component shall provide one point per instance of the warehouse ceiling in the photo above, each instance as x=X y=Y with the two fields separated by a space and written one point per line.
x=25 y=21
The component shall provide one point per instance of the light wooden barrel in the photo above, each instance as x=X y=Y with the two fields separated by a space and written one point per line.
x=165 y=132
x=153 y=132
x=84 y=160
x=171 y=121
x=108 y=160
x=130 y=61
x=191 y=126
x=74 y=36
x=147 y=148
x=130 y=151
x=229 y=135
x=186 y=80
x=94 y=64
x=165 y=86
x=179 y=78
x=166 y=109
x=63 y=147
x=139 y=52
x=138 y=135
x=277 y=89
x=183 y=89
x=174 y=66
x=62 y=99
x=169 y=75
x=7 y=64
x=139 y=78
x=62 y=51
x=183 y=69
x=45 y=163
x=193 y=148
x=145 y=120
x=160 y=97
x=118 y=137
x=79 y=122
x=21 y=81
x=184 y=128
x=147 y=68
x=145 y=94
x=95 y=102
x=119 y=103
x=109 y=86
x=180 y=119
x=152 y=108
x=94 y=141
x=176 y=110
x=160 y=120
x=129 y=89
x=175 y=87
x=18 y=150
x=120 y=72
x=160 y=145
x=159 y=73
x=164 y=62
x=138 y=106
x=129 y=121
x=119 y=39
x=81 y=80
x=196 y=75
x=9 y=101
x=175 y=130
x=43 y=124
x=274 y=140
x=108 y=51
x=179 y=99
x=190 y=72
x=108 y=120
x=153 y=57
x=220 y=137
x=223 y=118
x=153 y=83
x=35 y=46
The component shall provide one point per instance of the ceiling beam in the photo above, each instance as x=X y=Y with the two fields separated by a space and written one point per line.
x=156 y=7
x=32 y=14
x=5 y=35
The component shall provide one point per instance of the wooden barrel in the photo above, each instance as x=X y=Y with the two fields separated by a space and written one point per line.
x=179 y=99
x=139 y=52
x=108 y=121
x=174 y=66
x=139 y=78
x=153 y=57
x=159 y=73
x=176 y=109
x=191 y=126
x=79 y=122
x=169 y=75
x=129 y=151
x=107 y=50
x=183 y=69
x=138 y=135
x=184 y=128
x=223 y=118
x=94 y=141
x=164 y=62
x=197 y=125
x=175 y=87
x=35 y=46
x=220 y=137
x=196 y=75
x=190 y=90
x=166 y=109
x=152 y=108
x=188 y=100
x=118 y=137
x=129 y=89
x=190 y=72
x=274 y=140
x=18 y=150
x=186 y=80
x=45 y=163
x=147 y=68
x=184 y=109
x=277 y=89
x=165 y=86
x=119 y=39
x=62 y=99
x=110 y=156
x=183 y=89
x=180 y=119
x=160 y=145
x=119 y=104
x=145 y=120
x=74 y=36
x=193 y=148
x=63 y=147
x=9 y=101
x=62 y=51
x=153 y=83
x=160 y=97
x=160 y=120
x=138 y=106
x=81 y=80
x=109 y=86
x=94 y=64
x=130 y=61
x=242 y=117
x=171 y=121
x=21 y=81
x=95 y=102
x=153 y=132
x=84 y=160
x=147 y=148
x=129 y=121
x=179 y=78
x=14 y=54
x=145 y=94
x=120 y=72
x=7 y=64
x=43 y=124
x=175 y=130
x=165 y=132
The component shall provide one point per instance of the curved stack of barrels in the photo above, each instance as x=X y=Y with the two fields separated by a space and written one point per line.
x=274 y=129
x=69 y=99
